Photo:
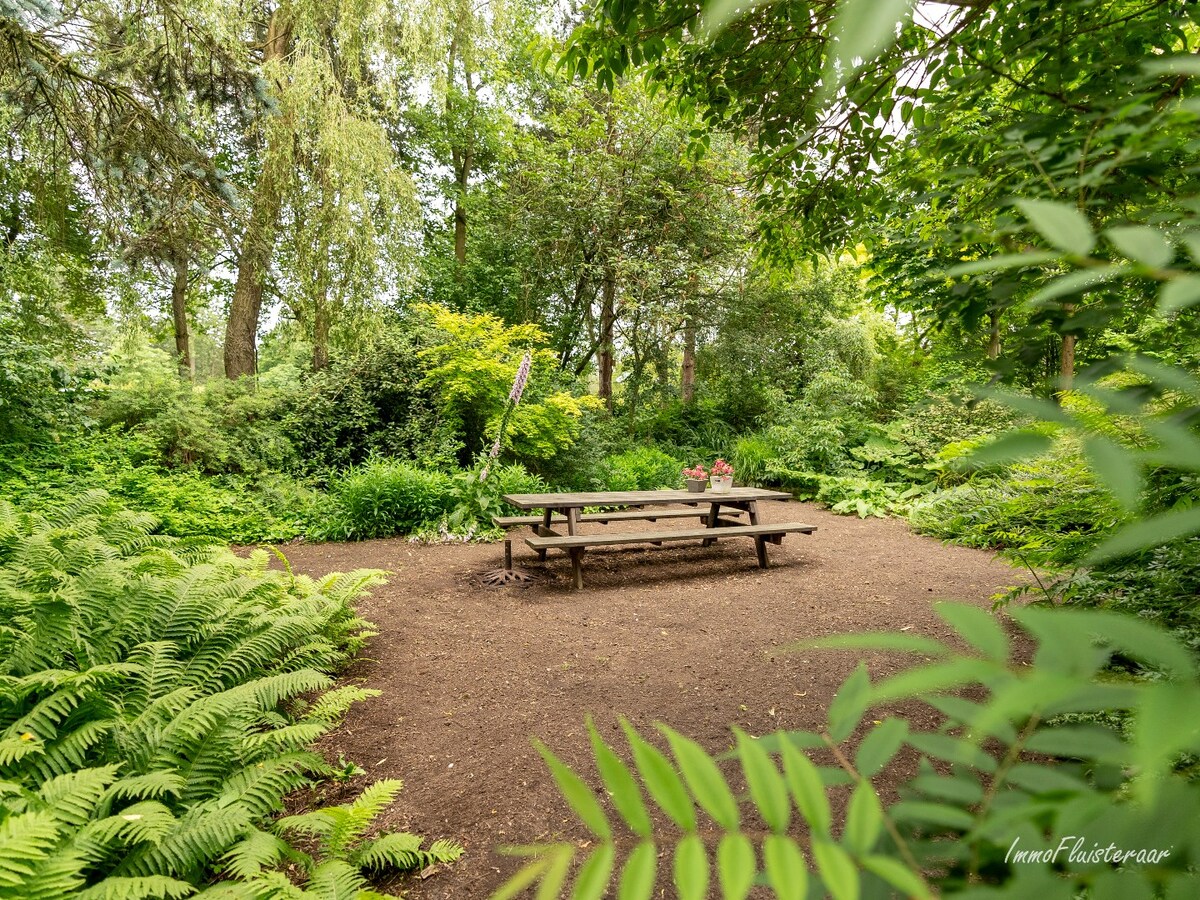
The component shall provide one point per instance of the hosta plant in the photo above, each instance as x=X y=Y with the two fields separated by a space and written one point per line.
x=1025 y=789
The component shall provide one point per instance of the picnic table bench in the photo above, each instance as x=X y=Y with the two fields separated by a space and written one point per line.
x=721 y=519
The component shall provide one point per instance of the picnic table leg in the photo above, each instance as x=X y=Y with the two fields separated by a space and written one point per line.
x=760 y=546
x=572 y=520
x=752 y=508
x=577 y=566
x=714 y=513
x=545 y=529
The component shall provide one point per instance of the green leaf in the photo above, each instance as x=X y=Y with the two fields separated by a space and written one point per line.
x=861 y=30
x=952 y=749
x=1142 y=244
x=837 y=870
x=786 y=870
x=637 y=878
x=1179 y=293
x=879 y=746
x=938 y=814
x=978 y=628
x=849 y=703
x=577 y=793
x=767 y=787
x=1075 y=282
x=720 y=13
x=691 y=869
x=1001 y=263
x=594 y=874
x=1060 y=224
x=961 y=788
x=864 y=819
x=807 y=789
x=1087 y=742
x=895 y=873
x=625 y=793
x=1147 y=534
x=704 y=779
x=736 y=866
x=1010 y=447
x=941 y=676
x=555 y=876
x=1117 y=467
x=661 y=780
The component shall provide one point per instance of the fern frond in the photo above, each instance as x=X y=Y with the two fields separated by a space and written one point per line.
x=260 y=788
x=25 y=842
x=403 y=851
x=335 y=879
x=248 y=857
x=73 y=797
x=202 y=835
x=149 y=887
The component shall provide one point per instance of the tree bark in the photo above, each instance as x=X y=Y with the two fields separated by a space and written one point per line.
x=993 y=351
x=462 y=157
x=608 y=318
x=687 y=377
x=1066 y=362
x=179 y=287
x=1066 y=356
x=241 y=332
x=320 y=339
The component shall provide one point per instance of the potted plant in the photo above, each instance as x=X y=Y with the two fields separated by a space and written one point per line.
x=697 y=479
x=722 y=477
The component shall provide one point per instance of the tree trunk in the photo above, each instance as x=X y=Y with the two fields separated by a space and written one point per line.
x=608 y=319
x=241 y=332
x=183 y=351
x=462 y=155
x=687 y=379
x=320 y=338
x=993 y=351
x=1066 y=357
x=1066 y=362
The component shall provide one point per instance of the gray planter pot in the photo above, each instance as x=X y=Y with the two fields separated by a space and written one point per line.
x=697 y=485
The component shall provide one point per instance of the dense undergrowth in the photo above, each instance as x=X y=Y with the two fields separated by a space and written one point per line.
x=157 y=702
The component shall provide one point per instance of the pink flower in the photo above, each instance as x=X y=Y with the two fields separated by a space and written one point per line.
x=697 y=472
x=722 y=469
x=518 y=388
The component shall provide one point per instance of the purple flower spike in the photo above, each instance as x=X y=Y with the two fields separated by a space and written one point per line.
x=514 y=396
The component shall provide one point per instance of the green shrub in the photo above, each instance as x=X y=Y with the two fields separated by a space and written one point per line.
x=1046 y=512
x=233 y=508
x=158 y=700
x=372 y=403
x=216 y=428
x=385 y=497
x=641 y=469
x=478 y=499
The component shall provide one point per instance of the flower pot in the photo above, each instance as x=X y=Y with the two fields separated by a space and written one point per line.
x=696 y=485
x=722 y=484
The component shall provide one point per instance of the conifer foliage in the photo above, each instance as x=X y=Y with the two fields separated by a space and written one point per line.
x=157 y=700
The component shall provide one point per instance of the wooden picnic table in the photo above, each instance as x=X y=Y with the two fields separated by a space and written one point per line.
x=737 y=500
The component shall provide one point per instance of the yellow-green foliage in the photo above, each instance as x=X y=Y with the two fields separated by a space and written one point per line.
x=473 y=368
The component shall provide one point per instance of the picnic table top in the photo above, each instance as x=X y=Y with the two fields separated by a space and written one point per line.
x=639 y=498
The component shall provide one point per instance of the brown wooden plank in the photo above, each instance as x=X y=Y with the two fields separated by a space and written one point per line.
x=616 y=516
x=636 y=498
x=680 y=534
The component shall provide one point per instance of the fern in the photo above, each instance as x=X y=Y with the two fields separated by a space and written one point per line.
x=156 y=700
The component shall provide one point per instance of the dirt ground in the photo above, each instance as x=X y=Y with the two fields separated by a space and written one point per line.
x=693 y=637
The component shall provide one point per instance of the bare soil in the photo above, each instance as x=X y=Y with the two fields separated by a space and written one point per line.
x=694 y=637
